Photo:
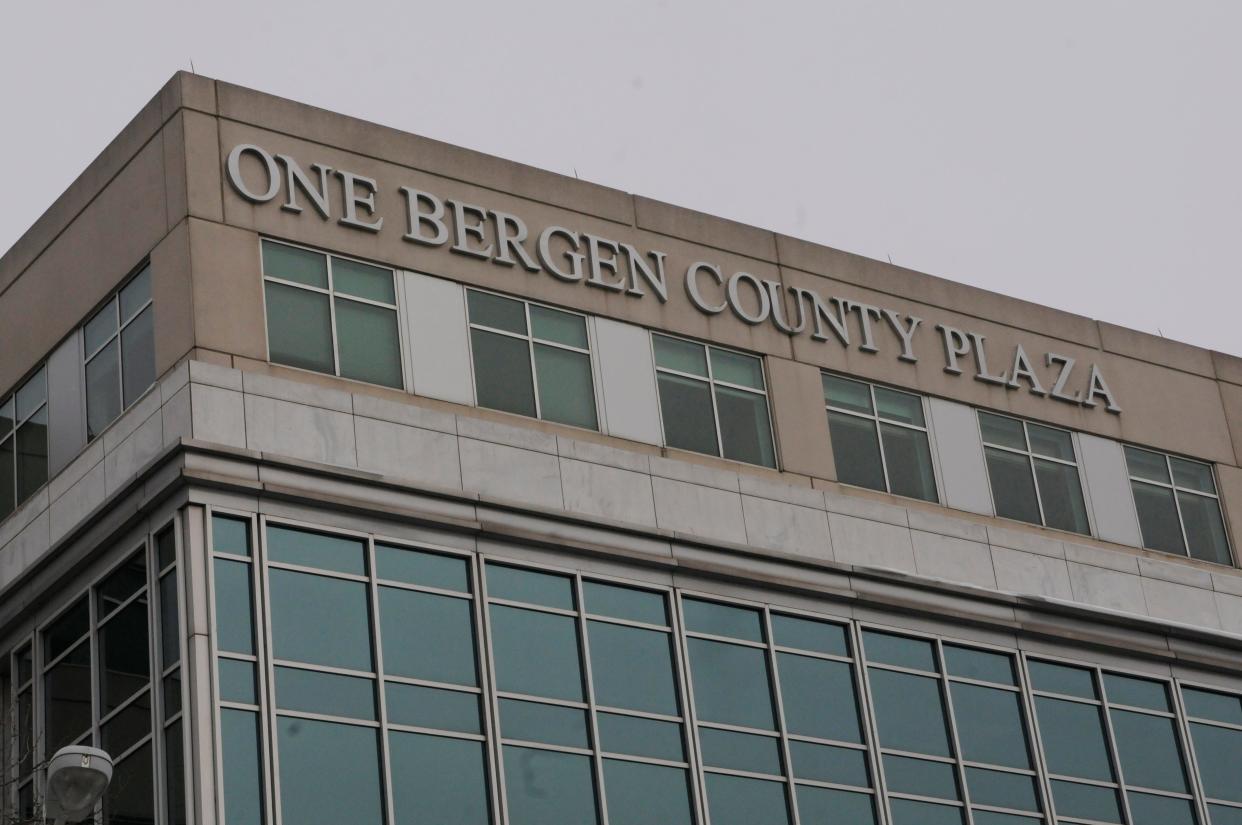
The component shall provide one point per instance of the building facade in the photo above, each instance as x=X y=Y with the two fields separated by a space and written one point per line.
x=347 y=476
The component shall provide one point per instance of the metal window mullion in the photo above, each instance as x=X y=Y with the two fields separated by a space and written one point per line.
x=493 y=700
x=336 y=350
x=1177 y=503
x=711 y=387
x=534 y=372
x=155 y=682
x=871 y=724
x=1113 y=751
x=486 y=689
x=954 y=741
x=681 y=663
x=879 y=440
x=1035 y=745
x=691 y=734
x=386 y=772
x=1190 y=759
x=270 y=753
x=601 y=793
x=782 y=733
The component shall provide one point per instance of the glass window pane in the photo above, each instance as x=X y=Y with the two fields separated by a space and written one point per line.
x=847 y=394
x=745 y=429
x=920 y=777
x=1050 y=442
x=909 y=462
x=6 y=416
x=1146 y=464
x=687 y=413
x=818 y=698
x=856 y=451
x=683 y=356
x=902 y=651
x=326 y=552
x=32 y=394
x=983 y=665
x=172 y=694
x=809 y=634
x=502 y=375
x=1218 y=753
x=1139 y=693
x=641 y=794
x=328 y=772
x=404 y=564
x=32 y=455
x=536 y=653
x=8 y=478
x=102 y=326
x=899 y=406
x=740 y=751
x=1073 y=738
x=632 y=668
x=735 y=368
x=363 y=280
x=910 y=713
x=550 y=724
x=718 y=619
x=130 y=797
x=320 y=620
x=496 y=312
x=911 y=812
x=625 y=603
x=1060 y=489
x=1158 y=518
x=979 y=817
x=136 y=294
x=559 y=327
x=138 y=355
x=328 y=693
x=71 y=626
x=1063 y=679
x=124 y=658
x=1222 y=815
x=103 y=389
x=170 y=626
x=989 y=725
x=243 y=794
x=122 y=583
x=293 y=264
x=1208 y=704
x=128 y=727
x=427 y=636
x=549 y=788
x=1004 y=790
x=1148 y=750
x=516 y=584
x=1013 y=487
x=1205 y=531
x=1148 y=809
x=636 y=736
x=234 y=629
x=368 y=343
x=736 y=800
x=237 y=682
x=230 y=535
x=67 y=699
x=426 y=707
x=441 y=780
x=828 y=805
x=1193 y=475
x=825 y=763
x=1005 y=432
x=165 y=548
x=299 y=328
x=174 y=774
x=566 y=394
x=1086 y=801
x=731 y=684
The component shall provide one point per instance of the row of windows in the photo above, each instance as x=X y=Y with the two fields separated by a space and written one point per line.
x=365 y=681
x=339 y=316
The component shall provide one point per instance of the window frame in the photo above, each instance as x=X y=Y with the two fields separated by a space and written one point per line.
x=113 y=302
x=39 y=373
x=711 y=381
x=1173 y=486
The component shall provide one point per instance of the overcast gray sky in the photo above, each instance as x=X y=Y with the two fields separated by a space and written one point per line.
x=1085 y=154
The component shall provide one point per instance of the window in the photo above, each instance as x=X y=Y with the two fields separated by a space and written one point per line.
x=331 y=314
x=1178 y=506
x=713 y=401
x=1034 y=473
x=531 y=360
x=118 y=348
x=879 y=438
x=23 y=442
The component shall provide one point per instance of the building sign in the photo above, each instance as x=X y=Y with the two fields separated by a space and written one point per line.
x=584 y=259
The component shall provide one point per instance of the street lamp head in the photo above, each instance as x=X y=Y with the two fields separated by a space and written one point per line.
x=77 y=777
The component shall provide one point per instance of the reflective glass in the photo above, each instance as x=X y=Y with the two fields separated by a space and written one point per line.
x=550 y=724
x=293 y=264
x=745 y=428
x=496 y=312
x=8 y=479
x=103 y=389
x=1149 y=809
x=1158 y=519
x=818 y=698
x=6 y=417
x=826 y=763
x=1086 y=801
x=625 y=603
x=172 y=694
x=683 y=356
x=559 y=327
x=442 y=780
x=989 y=725
x=329 y=772
x=632 y=668
x=328 y=693
x=1060 y=490
x=67 y=698
x=1192 y=475
x=427 y=707
x=165 y=548
x=32 y=455
x=847 y=394
x=902 y=651
x=981 y=665
x=404 y=564
x=502 y=372
x=230 y=535
x=1063 y=679
x=1208 y=704
x=363 y=281
x=1005 y=432
x=920 y=777
x=911 y=812
x=640 y=794
x=996 y=818
x=1205 y=532
x=536 y=653
x=72 y=625
x=124 y=658
x=718 y=619
x=326 y=552
x=124 y=582
x=299 y=328
x=549 y=788
x=1073 y=738
x=1013 y=486
x=130 y=797
x=731 y=684
x=101 y=327
x=809 y=634
x=828 y=805
x=566 y=392
x=138 y=355
x=1050 y=442
x=640 y=737
x=856 y=450
x=320 y=620
x=740 y=751
x=368 y=343
x=234 y=628
x=1146 y=464
x=127 y=726
x=174 y=771
x=1222 y=815
x=736 y=800
x=909 y=713
x=735 y=368
x=899 y=406
x=1218 y=753
x=136 y=294
x=516 y=584
x=687 y=413
x=1139 y=693
x=32 y=394
x=237 y=682
x=1004 y=790
x=428 y=636
x=908 y=458
x=243 y=795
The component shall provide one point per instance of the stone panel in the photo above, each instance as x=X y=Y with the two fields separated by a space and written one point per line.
x=953 y=559
x=396 y=450
x=865 y=543
x=299 y=431
x=697 y=510
x=607 y=492
x=787 y=528
x=510 y=473
x=1031 y=573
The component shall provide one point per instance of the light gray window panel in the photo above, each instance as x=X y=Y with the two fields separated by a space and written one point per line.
x=1205 y=530
x=1050 y=442
x=103 y=389
x=625 y=603
x=920 y=777
x=740 y=751
x=329 y=772
x=66 y=405
x=818 y=698
x=745 y=427
x=138 y=355
x=566 y=391
x=640 y=794
x=1004 y=790
x=856 y=450
x=989 y=725
x=636 y=736
x=550 y=724
x=549 y=788
x=435 y=314
x=718 y=619
x=827 y=763
x=828 y=805
x=737 y=800
x=502 y=372
x=982 y=665
x=627 y=381
x=1013 y=487
x=437 y=780
x=632 y=668
x=1112 y=505
x=428 y=636
x=686 y=405
x=1073 y=738
x=243 y=778
x=319 y=620
x=731 y=684
x=299 y=328
x=1086 y=801
x=1060 y=490
x=910 y=712
x=1218 y=753
x=237 y=682
x=963 y=473
x=1149 y=809
x=536 y=653
x=899 y=406
x=340 y=554
x=405 y=564
x=809 y=634
x=912 y=812
x=368 y=342
x=328 y=693
x=427 y=707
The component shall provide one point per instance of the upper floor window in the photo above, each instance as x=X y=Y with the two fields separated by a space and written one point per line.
x=531 y=360
x=1034 y=473
x=1178 y=505
x=23 y=442
x=713 y=401
x=331 y=314
x=118 y=348
x=879 y=438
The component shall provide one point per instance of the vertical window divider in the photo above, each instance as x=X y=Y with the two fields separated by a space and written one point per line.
x=491 y=688
x=1181 y=718
x=155 y=638
x=270 y=753
x=1177 y=502
x=405 y=335
x=871 y=722
x=879 y=438
x=1036 y=744
x=487 y=687
x=377 y=644
x=1030 y=463
x=791 y=788
x=711 y=389
x=691 y=713
x=530 y=353
x=954 y=741
x=597 y=759
x=336 y=348
x=1106 y=711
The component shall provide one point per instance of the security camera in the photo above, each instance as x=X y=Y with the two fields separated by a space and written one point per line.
x=77 y=777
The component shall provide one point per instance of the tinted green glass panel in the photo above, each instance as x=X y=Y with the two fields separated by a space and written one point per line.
x=1149 y=809
x=549 y=788
x=1192 y=475
x=1064 y=679
x=920 y=777
x=1006 y=432
x=1158 y=519
x=731 y=684
x=550 y=724
x=745 y=428
x=983 y=665
x=995 y=818
x=687 y=412
x=1060 y=489
x=427 y=636
x=502 y=372
x=124 y=661
x=910 y=812
x=299 y=328
x=640 y=794
x=559 y=327
x=518 y=585
x=32 y=455
x=1146 y=464
x=1139 y=693
x=902 y=651
x=899 y=406
x=908 y=457
x=566 y=393
x=679 y=355
x=496 y=312
x=1073 y=738
x=1222 y=815
x=404 y=564
x=1049 y=442
x=856 y=450
x=826 y=763
x=102 y=326
x=1218 y=753
x=363 y=281
x=910 y=713
x=66 y=700
x=103 y=389
x=723 y=620
x=130 y=797
x=426 y=707
x=740 y=751
x=337 y=553
x=1004 y=790
x=320 y=620
x=243 y=794
x=1086 y=801
x=536 y=653
x=6 y=416
x=818 y=697
x=234 y=627
x=1208 y=704
x=293 y=264
x=625 y=603
x=328 y=772
x=633 y=668
x=230 y=535
x=989 y=725
x=127 y=727
x=327 y=693
x=1013 y=487
x=640 y=737
x=847 y=394
x=828 y=805
x=138 y=355
x=442 y=780
x=809 y=634
x=1205 y=532
x=735 y=368
x=736 y=800
x=368 y=343
x=237 y=683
